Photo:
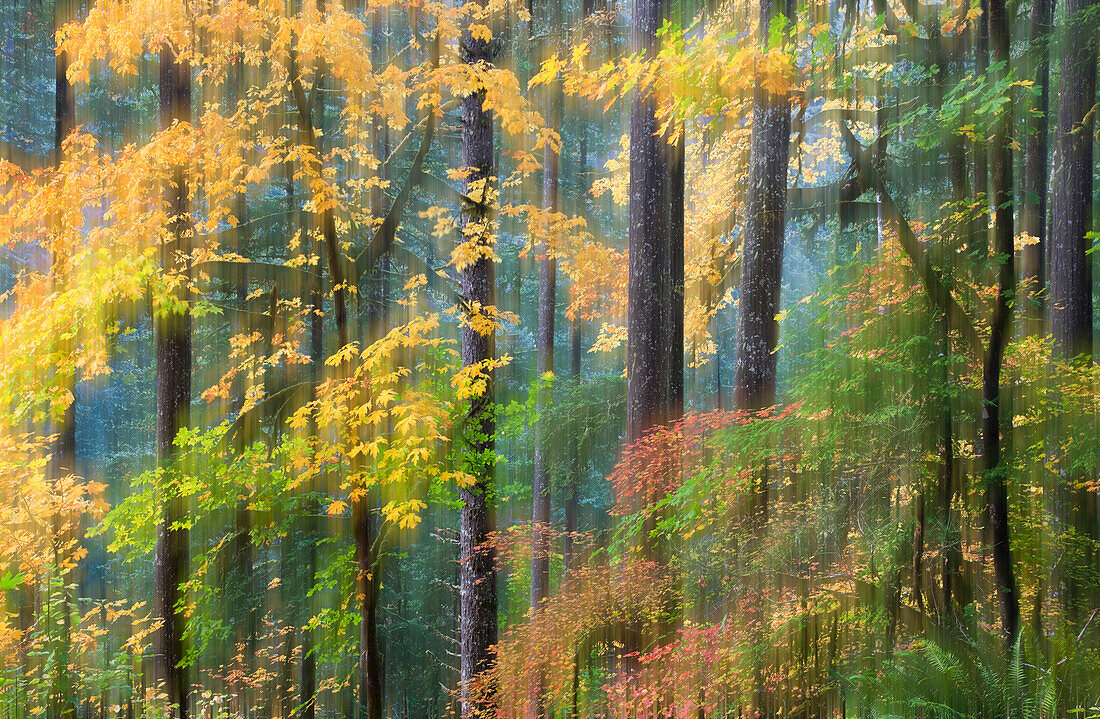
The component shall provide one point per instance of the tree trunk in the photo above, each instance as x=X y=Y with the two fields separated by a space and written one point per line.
x=675 y=325
x=1070 y=266
x=370 y=665
x=1034 y=210
x=1071 y=205
x=648 y=302
x=762 y=263
x=477 y=576
x=1000 y=332
x=765 y=222
x=173 y=353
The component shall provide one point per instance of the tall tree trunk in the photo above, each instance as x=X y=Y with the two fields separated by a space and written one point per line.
x=1070 y=266
x=1034 y=209
x=765 y=222
x=477 y=576
x=1000 y=330
x=648 y=302
x=1071 y=205
x=762 y=263
x=173 y=352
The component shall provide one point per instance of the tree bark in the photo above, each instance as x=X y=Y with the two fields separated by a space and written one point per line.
x=648 y=301
x=477 y=576
x=677 y=196
x=762 y=263
x=1034 y=209
x=173 y=353
x=1070 y=265
x=765 y=222
x=1000 y=332
x=1071 y=204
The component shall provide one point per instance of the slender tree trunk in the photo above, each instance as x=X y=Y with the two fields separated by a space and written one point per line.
x=370 y=665
x=477 y=576
x=173 y=353
x=675 y=327
x=1000 y=331
x=1034 y=209
x=63 y=459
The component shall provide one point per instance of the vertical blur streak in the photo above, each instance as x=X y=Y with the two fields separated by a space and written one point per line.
x=63 y=459
x=548 y=284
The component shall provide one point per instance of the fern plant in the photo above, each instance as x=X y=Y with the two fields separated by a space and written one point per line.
x=979 y=679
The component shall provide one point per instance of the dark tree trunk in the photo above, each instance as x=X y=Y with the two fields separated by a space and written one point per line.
x=648 y=301
x=1071 y=205
x=173 y=353
x=1070 y=266
x=765 y=221
x=676 y=279
x=370 y=665
x=762 y=263
x=477 y=576
x=1000 y=331
x=1034 y=209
